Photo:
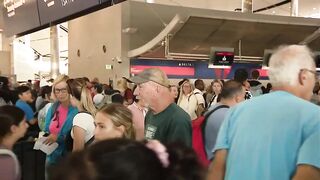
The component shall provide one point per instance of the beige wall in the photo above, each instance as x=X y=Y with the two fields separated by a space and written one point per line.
x=5 y=63
x=6 y=43
x=89 y=34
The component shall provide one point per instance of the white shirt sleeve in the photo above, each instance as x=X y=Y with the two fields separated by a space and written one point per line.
x=81 y=120
x=200 y=98
x=86 y=122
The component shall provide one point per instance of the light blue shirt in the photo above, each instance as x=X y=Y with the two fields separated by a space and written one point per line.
x=268 y=136
x=213 y=125
x=26 y=108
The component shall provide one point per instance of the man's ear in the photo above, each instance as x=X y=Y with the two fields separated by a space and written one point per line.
x=13 y=128
x=302 y=77
x=237 y=98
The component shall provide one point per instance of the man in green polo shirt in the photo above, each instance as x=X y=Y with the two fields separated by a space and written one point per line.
x=165 y=121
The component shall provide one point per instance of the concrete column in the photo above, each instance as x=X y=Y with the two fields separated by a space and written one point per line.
x=294 y=7
x=54 y=51
x=1 y=49
x=247 y=6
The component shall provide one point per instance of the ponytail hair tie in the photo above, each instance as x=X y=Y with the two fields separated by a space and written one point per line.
x=160 y=150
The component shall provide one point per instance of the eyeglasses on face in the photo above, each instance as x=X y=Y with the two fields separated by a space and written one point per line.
x=62 y=90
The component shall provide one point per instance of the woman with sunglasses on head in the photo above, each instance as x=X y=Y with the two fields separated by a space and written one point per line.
x=59 y=118
x=83 y=127
x=13 y=126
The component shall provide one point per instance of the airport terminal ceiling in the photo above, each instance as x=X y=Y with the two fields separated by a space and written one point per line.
x=205 y=27
x=199 y=34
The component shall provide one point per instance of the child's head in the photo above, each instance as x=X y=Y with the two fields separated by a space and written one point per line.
x=174 y=91
x=24 y=93
x=124 y=159
x=12 y=122
x=114 y=121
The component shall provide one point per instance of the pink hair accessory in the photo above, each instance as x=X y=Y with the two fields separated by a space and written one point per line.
x=160 y=150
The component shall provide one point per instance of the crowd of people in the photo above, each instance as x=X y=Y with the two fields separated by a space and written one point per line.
x=251 y=131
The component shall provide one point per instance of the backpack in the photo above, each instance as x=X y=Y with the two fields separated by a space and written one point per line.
x=198 y=135
x=15 y=160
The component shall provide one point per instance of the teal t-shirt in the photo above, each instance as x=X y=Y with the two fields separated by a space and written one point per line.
x=171 y=125
x=268 y=136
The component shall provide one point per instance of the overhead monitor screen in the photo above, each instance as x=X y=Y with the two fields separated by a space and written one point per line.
x=19 y=16
x=223 y=58
x=55 y=10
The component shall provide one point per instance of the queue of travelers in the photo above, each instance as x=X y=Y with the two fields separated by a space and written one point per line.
x=144 y=127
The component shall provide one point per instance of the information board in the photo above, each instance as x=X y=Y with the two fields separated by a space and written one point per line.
x=55 y=10
x=19 y=16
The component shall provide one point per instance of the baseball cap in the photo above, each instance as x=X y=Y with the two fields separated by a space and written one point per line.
x=151 y=74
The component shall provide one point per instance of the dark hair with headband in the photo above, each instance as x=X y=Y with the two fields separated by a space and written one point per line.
x=124 y=159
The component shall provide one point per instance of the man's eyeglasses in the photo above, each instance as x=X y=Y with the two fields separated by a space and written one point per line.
x=62 y=90
x=313 y=72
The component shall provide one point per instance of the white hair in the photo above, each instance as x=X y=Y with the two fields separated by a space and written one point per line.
x=286 y=62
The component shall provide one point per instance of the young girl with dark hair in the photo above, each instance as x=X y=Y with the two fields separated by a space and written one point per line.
x=13 y=126
x=7 y=96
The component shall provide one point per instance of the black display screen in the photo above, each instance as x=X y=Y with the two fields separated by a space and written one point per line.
x=19 y=16
x=223 y=58
x=55 y=10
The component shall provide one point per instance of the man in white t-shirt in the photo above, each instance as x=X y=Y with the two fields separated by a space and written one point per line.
x=199 y=87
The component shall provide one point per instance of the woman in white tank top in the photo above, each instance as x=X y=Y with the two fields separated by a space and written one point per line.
x=83 y=123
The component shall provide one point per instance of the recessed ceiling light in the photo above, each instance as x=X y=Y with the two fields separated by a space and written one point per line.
x=273 y=12
x=314 y=8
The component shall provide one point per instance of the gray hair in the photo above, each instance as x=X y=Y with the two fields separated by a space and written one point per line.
x=286 y=63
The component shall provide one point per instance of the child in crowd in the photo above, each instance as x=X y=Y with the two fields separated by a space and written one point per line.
x=13 y=126
x=174 y=92
x=25 y=97
x=44 y=106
